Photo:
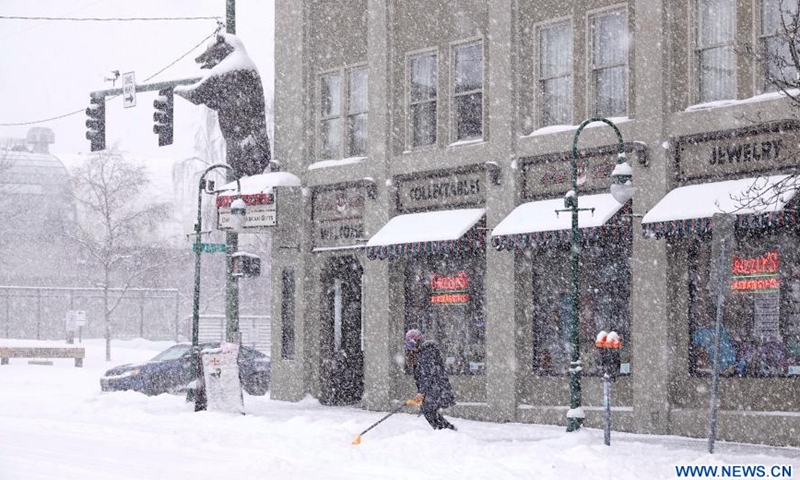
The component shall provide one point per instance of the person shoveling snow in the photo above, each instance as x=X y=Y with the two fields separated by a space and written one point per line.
x=433 y=387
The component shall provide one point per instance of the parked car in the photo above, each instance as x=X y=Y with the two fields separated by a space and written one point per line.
x=170 y=372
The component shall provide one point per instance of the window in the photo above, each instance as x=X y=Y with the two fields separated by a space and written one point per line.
x=444 y=300
x=716 y=59
x=287 y=313
x=604 y=294
x=609 y=64
x=468 y=94
x=761 y=327
x=422 y=98
x=780 y=71
x=331 y=116
x=555 y=74
x=337 y=112
x=357 y=113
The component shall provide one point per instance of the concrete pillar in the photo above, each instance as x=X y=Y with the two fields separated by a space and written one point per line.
x=649 y=268
x=378 y=366
x=501 y=368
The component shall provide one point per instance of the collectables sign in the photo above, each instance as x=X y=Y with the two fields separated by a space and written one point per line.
x=260 y=212
x=443 y=190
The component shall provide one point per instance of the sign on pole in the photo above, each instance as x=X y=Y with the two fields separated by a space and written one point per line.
x=128 y=90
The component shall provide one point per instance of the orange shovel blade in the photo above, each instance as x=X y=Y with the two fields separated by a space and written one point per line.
x=357 y=441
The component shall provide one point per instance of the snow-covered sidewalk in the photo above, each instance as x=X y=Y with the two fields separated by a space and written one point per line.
x=56 y=424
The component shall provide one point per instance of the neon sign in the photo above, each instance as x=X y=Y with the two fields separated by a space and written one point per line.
x=457 y=282
x=450 y=290
x=757 y=274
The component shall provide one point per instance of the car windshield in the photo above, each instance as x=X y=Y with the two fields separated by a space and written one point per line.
x=172 y=353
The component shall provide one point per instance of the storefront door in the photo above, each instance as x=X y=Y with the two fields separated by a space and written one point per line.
x=341 y=341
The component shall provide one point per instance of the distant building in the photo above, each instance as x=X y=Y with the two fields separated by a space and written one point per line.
x=433 y=139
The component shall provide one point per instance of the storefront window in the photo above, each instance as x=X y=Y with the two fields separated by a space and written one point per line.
x=444 y=299
x=761 y=324
x=604 y=305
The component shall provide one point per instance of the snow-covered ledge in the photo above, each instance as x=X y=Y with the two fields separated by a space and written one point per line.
x=262 y=183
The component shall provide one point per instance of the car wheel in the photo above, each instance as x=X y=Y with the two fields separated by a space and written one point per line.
x=256 y=387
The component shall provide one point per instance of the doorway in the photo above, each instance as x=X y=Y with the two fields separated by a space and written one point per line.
x=342 y=348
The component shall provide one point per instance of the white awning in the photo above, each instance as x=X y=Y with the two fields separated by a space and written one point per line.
x=539 y=222
x=758 y=202
x=428 y=232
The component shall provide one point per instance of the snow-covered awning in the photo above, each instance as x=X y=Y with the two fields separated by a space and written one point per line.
x=758 y=203
x=441 y=232
x=256 y=186
x=538 y=223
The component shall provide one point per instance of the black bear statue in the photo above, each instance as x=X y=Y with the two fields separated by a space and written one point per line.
x=233 y=88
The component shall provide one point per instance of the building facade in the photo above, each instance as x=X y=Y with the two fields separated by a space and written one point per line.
x=433 y=140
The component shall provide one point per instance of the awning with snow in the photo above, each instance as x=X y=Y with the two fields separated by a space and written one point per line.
x=429 y=233
x=537 y=223
x=758 y=203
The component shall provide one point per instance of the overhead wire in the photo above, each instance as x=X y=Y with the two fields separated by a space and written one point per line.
x=57 y=117
x=106 y=19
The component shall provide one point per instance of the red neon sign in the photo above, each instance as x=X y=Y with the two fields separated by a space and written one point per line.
x=458 y=282
x=755 y=284
x=756 y=274
x=450 y=298
x=767 y=263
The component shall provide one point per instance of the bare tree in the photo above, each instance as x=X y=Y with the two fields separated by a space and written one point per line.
x=778 y=51
x=107 y=190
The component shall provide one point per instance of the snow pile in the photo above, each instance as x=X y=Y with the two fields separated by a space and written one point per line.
x=57 y=424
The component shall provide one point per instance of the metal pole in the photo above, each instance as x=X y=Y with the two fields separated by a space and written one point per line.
x=177 y=321
x=230 y=16
x=8 y=316
x=575 y=415
x=198 y=393
x=141 y=316
x=712 y=418
x=607 y=408
x=38 y=314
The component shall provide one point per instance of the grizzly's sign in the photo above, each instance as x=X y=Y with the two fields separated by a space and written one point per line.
x=338 y=216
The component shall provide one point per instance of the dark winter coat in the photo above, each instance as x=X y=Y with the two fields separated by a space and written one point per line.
x=431 y=379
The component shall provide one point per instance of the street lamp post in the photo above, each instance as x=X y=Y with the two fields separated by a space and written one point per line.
x=622 y=190
x=198 y=394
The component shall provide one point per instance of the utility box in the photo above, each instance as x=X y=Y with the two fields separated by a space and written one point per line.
x=245 y=265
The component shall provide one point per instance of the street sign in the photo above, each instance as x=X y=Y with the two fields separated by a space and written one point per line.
x=80 y=318
x=210 y=247
x=128 y=90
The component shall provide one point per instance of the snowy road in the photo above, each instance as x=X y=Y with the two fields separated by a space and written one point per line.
x=55 y=424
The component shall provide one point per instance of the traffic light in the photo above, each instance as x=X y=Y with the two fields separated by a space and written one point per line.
x=96 y=123
x=164 y=116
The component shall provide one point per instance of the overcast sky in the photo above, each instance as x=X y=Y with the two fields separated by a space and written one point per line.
x=48 y=68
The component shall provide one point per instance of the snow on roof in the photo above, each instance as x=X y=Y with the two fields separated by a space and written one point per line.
x=261 y=183
x=764 y=97
x=443 y=225
x=236 y=60
x=706 y=199
x=540 y=216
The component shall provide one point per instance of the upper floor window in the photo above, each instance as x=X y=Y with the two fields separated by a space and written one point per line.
x=343 y=117
x=468 y=93
x=555 y=74
x=330 y=116
x=357 y=115
x=716 y=58
x=609 y=63
x=422 y=99
x=779 y=22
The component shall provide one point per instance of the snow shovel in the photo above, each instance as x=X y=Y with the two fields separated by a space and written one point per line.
x=357 y=441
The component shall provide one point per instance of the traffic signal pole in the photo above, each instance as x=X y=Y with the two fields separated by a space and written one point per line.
x=96 y=112
x=232 y=333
